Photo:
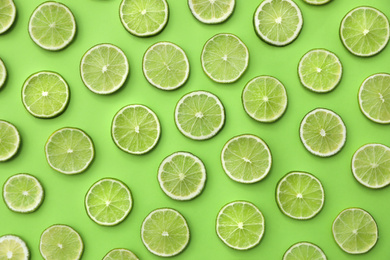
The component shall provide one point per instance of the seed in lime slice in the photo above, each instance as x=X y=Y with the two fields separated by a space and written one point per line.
x=14 y=248
x=264 y=99
x=9 y=140
x=317 y=2
x=120 y=254
x=165 y=232
x=3 y=73
x=323 y=132
x=320 y=70
x=69 y=150
x=224 y=58
x=374 y=98
x=365 y=31
x=52 y=26
x=300 y=195
x=278 y=22
x=7 y=15
x=240 y=225
x=61 y=242
x=304 y=251
x=211 y=11
x=135 y=129
x=144 y=18
x=199 y=115
x=355 y=231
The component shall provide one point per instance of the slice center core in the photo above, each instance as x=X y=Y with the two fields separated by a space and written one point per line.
x=240 y=225
x=322 y=133
x=165 y=234
x=366 y=31
x=44 y=93
x=9 y=254
x=278 y=20
x=199 y=115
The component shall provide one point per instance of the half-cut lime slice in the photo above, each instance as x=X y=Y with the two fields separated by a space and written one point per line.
x=365 y=31
x=211 y=11
x=224 y=58
x=7 y=15
x=317 y=2
x=52 y=26
x=278 y=22
x=104 y=68
x=120 y=254
x=304 y=251
x=144 y=18
x=9 y=140
x=355 y=231
x=165 y=232
x=13 y=248
x=3 y=73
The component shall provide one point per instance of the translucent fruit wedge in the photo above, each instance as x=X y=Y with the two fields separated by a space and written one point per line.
x=317 y=2
x=211 y=11
x=9 y=140
x=120 y=254
x=3 y=73
x=14 y=248
x=304 y=251
x=7 y=15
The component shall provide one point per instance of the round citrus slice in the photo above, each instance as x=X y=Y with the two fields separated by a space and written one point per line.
x=23 y=193
x=104 y=68
x=304 y=251
x=45 y=94
x=13 y=248
x=278 y=22
x=300 y=195
x=365 y=31
x=264 y=99
x=135 y=129
x=224 y=58
x=240 y=225
x=61 y=242
x=144 y=18
x=3 y=73
x=165 y=66
x=355 y=231
x=317 y=2
x=52 y=26
x=108 y=202
x=120 y=254
x=9 y=140
x=182 y=176
x=211 y=11
x=320 y=70
x=374 y=98
x=323 y=132
x=165 y=232
x=7 y=15
x=69 y=150
x=199 y=115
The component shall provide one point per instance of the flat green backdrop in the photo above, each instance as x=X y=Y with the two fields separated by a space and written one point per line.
x=98 y=22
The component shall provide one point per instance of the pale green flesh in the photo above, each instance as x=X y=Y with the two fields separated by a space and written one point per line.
x=304 y=251
x=166 y=66
x=71 y=245
x=7 y=15
x=165 y=232
x=374 y=98
x=320 y=70
x=120 y=254
x=355 y=231
x=3 y=73
x=108 y=202
x=9 y=140
x=45 y=94
x=300 y=195
x=265 y=99
x=240 y=225
x=317 y=2
x=13 y=245
x=144 y=17
x=365 y=31
x=224 y=58
x=208 y=11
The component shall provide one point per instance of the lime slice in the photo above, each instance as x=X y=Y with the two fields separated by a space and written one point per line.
x=9 y=140
x=246 y=159
x=304 y=251
x=278 y=22
x=14 y=248
x=120 y=254
x=144 y=18
x=165 y=66
x=211 y=11
x=3 y=73
x=23 y=193
x=182 y=176
x=52 y=26
x=264 y=99
x=240 y=225
x=135 y=129
x=165 y=232
x=365 y=31
x=371 y=165
x=199 y=115
x=45 y=94
x=300 y=195
x=7 y=15
x=323 y=132
x=108 y=202
x=104 y=68
x=317 y=2
x=69 y=150
x=61 y=242
x=224 y=58
x=355 y=231
x=320 y=70
x=374 y=98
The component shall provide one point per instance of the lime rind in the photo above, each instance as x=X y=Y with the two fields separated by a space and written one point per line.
x=3 y=73
x=317 y=2
x=215 y=11
x=10 y=12
x=17 y=243
x=312 y=251
x=120 y=254
x=14 y=145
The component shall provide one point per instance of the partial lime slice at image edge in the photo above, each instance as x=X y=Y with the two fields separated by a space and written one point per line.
x=304 y=251
x=211 y=11
x=13 y=247
x=317 y=2
x=7 y=15
x=3 y=74
x=120 y=254
x=9 y=140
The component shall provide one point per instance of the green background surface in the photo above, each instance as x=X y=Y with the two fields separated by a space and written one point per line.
x=98 y=22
